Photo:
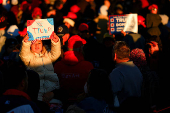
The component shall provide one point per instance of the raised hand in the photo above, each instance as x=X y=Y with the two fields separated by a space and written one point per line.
x=55 y=38
x=26 y=38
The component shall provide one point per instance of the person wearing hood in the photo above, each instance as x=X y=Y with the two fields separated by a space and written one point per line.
x=73 y=70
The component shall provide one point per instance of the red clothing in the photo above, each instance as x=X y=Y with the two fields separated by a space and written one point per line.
x=73 y=72
x=17 y=92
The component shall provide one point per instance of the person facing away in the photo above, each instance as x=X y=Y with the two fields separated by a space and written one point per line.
x=37 y=58
x=15 y=99
x=126 y=79
x=73 y=70
x=151 y=81
x=98 y=93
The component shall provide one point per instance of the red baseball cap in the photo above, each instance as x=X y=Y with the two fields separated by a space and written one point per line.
x=70 y=15
x=37 y=11
x=74 y=8
x=75 y=42
x=153 y=6
x=83 y=27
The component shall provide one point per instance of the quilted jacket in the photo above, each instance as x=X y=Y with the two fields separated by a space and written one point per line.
x=42 y=64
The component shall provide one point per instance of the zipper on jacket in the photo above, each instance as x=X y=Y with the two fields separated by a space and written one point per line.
x=44 y=74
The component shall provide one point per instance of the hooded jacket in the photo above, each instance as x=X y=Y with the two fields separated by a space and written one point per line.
x=73 y=72
x=42 y=64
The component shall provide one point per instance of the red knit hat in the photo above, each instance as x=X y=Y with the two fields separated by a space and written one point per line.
x=74 y=9
x=153 y=6
x=76 y=42
x=138 y=57
x=36 y=11
x=145 y=3
x=70 y=15
x=83 y=27
x=24 y=5
x=141 y=20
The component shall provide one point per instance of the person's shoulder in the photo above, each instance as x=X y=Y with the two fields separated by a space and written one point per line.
x=87 y=64
x=115 y=72
x=88 y=101
x=17 y=103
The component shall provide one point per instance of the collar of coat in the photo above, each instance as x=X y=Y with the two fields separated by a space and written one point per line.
x=16 y=92
x=39 y=55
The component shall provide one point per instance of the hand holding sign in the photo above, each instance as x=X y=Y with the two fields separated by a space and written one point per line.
x=26 y=38
x=55 y=38
x=127 y=23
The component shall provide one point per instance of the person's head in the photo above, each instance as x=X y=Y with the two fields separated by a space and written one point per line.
x=15 y=11
x=69 y=19
x=92 y=28
x=37 y=13
x=108 y=40
x=107 y=3
x=58 y=4
x=152 y=47
x=119 y=9
x=64 y=1
x=13 y=30
x=103 y=11
x=63 y=33
x=98 y=85
x=84 y=30
x=153 y=9
x=75 y=43
x=37 y=46
x=3 y=22
x=10 y=45
x=68 y=22
x=6 y=4
x=138 y=57
x=74 y=8
x=121 y=52
x=15 y=78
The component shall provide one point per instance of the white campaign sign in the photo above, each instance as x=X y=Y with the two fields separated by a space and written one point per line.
x=40 y=29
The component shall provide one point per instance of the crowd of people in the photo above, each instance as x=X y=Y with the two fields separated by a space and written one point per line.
x=82 y=68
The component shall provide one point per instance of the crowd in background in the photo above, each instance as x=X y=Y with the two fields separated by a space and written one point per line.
x=83 y=68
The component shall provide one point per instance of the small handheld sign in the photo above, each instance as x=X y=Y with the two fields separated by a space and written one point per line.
x=127 y=23
x=40 y=29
